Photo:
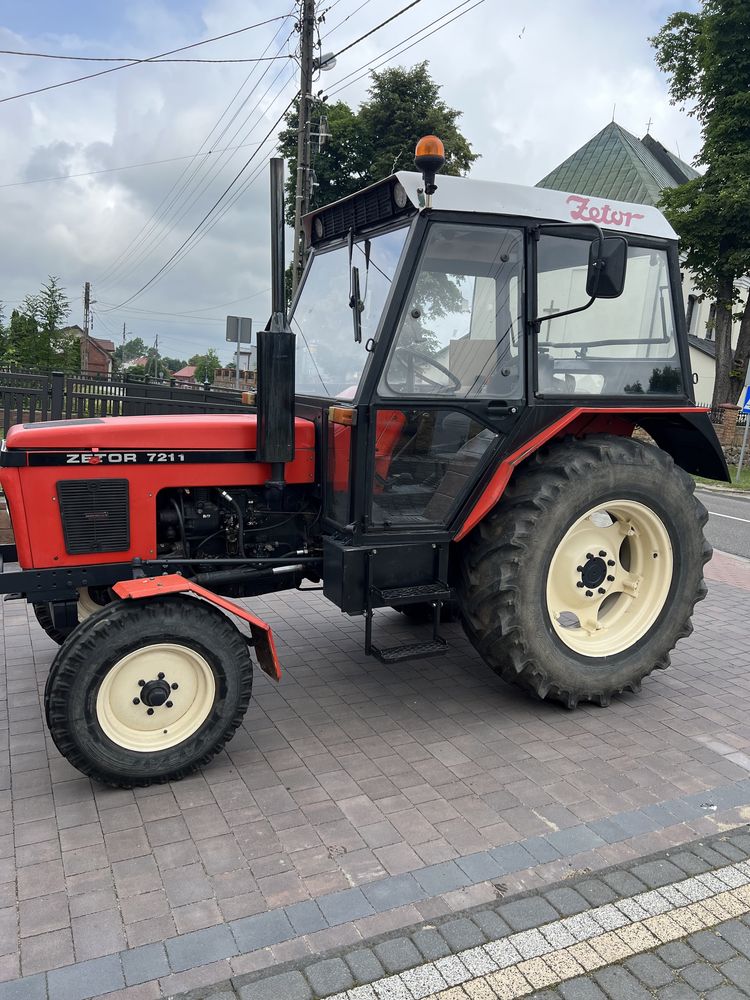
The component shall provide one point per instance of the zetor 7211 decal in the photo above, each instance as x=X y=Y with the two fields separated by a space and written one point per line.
x=122 y=457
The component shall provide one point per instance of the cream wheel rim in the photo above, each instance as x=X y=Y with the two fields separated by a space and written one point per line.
x=609 y=578
x=86 y=604
x=155 y=697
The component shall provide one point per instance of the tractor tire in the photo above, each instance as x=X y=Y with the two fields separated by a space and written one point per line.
x=422 y=613
x=148 y=691
x=560 y=590
x=89 y=601
x=43 y=616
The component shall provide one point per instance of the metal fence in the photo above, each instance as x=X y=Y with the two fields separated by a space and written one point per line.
x=27 y=398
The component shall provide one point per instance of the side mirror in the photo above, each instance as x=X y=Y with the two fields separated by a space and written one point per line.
x=608 y=258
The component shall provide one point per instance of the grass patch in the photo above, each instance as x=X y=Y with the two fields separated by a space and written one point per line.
x=744 y=483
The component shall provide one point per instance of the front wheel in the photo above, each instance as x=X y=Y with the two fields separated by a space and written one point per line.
x=148 y=691
x=584 y=577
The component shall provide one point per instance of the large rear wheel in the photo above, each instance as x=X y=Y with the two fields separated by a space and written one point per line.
x=584 y=577
x=148 y=691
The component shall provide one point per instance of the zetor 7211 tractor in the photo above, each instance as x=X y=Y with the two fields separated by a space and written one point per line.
x=444 y=425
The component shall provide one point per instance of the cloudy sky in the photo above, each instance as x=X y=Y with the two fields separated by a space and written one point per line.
x=534 y=80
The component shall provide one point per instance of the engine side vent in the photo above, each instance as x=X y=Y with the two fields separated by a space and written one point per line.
x=95 y=515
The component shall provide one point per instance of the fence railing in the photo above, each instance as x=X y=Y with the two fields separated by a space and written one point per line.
x=28 y=398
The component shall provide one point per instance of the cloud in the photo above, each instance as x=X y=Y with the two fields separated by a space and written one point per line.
x=534 y=82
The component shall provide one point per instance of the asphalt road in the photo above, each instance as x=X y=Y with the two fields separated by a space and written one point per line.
x=728 y=525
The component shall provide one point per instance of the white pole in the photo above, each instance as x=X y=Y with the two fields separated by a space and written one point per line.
x=743 y=449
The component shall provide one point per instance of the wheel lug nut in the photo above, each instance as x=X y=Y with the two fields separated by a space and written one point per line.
x=602 y=590
x=580 y=583
x=579 y=569
x=610 y=562
x=160 y=676
x=175 y=686
x=589 y=593
x=141 y=684
x=602 y=552
x=610 y=578
x=136 y=701
x=589 y=555
x=169 y=704
x=150 y=711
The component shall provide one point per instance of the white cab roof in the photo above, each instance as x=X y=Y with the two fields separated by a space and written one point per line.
x=462 y=194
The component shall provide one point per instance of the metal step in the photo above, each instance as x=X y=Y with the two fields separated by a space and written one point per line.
x=410 y=651
x=412 y=595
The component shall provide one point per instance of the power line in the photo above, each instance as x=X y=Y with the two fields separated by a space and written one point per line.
x=345 y=19
x=209 y=212
x=161 y=55
x=134 y=60
x=377 y=28
x=127 y=166
x=378 y=61
x=198 y=189
x=183 y=182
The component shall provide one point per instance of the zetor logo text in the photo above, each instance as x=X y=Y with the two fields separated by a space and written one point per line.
x=604 y=214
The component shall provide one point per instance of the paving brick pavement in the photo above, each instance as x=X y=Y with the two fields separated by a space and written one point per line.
x=671 y=940
x=356 y=799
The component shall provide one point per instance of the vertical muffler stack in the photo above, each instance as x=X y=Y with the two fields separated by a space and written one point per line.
x=275 y=395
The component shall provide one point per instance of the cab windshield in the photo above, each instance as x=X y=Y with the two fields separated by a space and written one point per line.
x=330 y=362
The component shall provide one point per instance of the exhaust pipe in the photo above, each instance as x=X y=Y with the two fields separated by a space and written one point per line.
x=276 y=345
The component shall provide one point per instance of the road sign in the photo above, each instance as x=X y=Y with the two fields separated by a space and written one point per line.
x=743 y=449
x=239 y=329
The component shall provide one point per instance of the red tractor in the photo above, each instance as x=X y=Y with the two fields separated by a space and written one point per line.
x=444 y=425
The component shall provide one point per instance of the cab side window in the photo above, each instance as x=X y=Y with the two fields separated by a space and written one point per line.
x=622 y=346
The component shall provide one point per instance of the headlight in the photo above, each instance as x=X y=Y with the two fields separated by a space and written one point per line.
x=399 y=195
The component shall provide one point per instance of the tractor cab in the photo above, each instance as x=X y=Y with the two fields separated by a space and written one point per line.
x=438 y=326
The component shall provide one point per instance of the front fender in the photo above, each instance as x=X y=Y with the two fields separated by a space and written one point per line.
x=172 y=583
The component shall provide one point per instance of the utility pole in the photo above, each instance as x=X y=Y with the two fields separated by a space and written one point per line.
x=301 y=202
x=86 y=325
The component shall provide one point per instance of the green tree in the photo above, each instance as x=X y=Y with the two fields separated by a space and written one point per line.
x=129 y=351
x=37 y=336
x=706 y=55
x=173 y=364
x=205 y=365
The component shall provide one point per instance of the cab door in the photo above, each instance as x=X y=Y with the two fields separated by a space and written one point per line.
x=453 y=376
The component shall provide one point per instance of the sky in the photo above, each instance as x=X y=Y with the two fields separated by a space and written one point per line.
x=534 y=81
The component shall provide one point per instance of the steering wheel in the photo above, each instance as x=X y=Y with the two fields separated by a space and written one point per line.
x=411 y=354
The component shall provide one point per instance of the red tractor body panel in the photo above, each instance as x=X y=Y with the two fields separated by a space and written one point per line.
x=152 y=453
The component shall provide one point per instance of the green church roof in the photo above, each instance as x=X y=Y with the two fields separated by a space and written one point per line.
x=617 y=165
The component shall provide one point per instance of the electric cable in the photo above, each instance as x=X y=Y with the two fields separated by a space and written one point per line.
x=338 y=24
x=134 y=60
x=209 y=212
x=376 y=28
x=185 y=178
x=339 y=85
x=139 y=62
x=201 y=184
x=127 y=166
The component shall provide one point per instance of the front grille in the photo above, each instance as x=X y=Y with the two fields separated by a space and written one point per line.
x=95 y=515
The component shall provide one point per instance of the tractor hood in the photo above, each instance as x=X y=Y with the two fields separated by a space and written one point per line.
x=183 y=432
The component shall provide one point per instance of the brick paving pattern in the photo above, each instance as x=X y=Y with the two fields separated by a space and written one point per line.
x=357 y=798
x=684 y=934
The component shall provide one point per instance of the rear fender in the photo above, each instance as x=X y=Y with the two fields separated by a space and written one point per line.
x=173 y=583
x=685 y=433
